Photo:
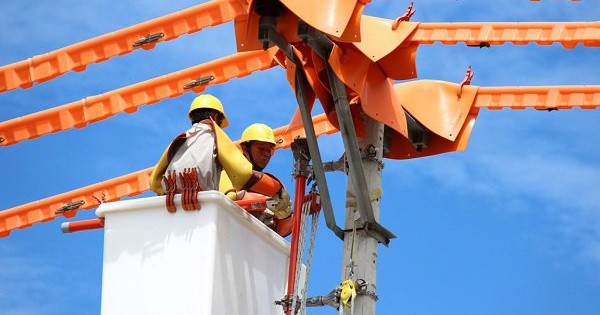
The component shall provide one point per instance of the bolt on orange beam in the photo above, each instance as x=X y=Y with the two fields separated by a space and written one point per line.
x=483 y=34
x=44 y=67
x=129 y=98
x=131 y=184
x=538 y=97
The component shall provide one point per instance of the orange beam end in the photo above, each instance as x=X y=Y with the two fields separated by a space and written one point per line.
x=76 y=57
x=539 y=97
x=482 y=34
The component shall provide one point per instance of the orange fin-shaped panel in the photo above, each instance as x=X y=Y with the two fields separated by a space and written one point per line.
x=378 y=39
x=375 y=89
x=400 y=147
x=436 y=105
x=389 y=48
x=338 y=18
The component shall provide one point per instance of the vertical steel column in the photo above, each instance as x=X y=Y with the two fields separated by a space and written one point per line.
x=322 y=45
x=267 y=34
x=313 y=147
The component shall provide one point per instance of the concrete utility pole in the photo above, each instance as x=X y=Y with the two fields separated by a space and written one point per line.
x=361 y=258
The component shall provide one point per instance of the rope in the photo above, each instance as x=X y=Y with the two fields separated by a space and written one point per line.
x=313 y=235
x=302 y=237
x=306 y=209
x=351 y=260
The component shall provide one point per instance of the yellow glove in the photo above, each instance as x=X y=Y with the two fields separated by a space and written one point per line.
x=280 y=205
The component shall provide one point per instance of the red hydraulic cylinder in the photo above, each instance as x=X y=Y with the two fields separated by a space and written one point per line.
x=297 y=220
x=257 y=203
x=75 y=226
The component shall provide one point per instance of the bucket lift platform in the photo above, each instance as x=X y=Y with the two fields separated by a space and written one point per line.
x=218 y=260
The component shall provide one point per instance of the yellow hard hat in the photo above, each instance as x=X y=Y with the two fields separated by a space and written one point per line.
x=258 y=132
x=210 y=102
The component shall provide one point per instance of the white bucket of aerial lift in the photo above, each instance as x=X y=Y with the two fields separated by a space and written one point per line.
x=219 y=260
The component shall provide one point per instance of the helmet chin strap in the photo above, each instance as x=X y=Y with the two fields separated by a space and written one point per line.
x=248 y=154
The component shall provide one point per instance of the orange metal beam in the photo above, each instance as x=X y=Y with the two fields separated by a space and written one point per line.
x=128 y=99
x=481 y=34
x=44 y=67
x=538 y=97
x=322 y=126
x=45 y=209
x=114 y=189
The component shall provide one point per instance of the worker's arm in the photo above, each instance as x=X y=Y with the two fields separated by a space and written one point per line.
x=283 y=227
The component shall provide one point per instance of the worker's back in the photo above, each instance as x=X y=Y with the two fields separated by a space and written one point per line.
x=197 y=151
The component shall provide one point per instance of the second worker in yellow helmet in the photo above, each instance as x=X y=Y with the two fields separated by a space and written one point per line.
x=258 y=146
x=206 y=148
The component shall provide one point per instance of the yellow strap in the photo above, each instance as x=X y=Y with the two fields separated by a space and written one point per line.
x=226 y=187
x=238 y=169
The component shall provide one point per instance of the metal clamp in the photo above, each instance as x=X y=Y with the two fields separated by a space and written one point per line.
x=370 y=154
x=286 y=303
x=481 y=45
x=332 y=299
x=100 y=201
x=361 y=289
x=199 y=81
x=465 y=81
x=148 y=39
x=70 y=206
x=340 y=165
x=404 y=17
x=301 y=158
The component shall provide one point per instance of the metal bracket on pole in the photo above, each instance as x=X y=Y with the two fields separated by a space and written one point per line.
x=339 y=165
x=322 y=45
x=267 y=35
x=301 y=155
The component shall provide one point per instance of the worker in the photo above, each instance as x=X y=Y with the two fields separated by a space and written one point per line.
x=258 y=146
x=206 y=148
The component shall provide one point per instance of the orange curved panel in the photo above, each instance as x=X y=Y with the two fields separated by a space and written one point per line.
x=512 y=97
x=569 y=34
x=131 y=184
x=338 y=18
x=389 y=48
x=436 y=106
x=44 y=67
x=378 y=38
x=128 y=99
x=374 y=88
x=401 y=148
x=352 y=32
x=539 y=97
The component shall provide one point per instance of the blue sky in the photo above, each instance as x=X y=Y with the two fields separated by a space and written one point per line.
x=510 y=226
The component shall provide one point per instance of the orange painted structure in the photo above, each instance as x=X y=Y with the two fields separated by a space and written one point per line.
x=364 y=63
